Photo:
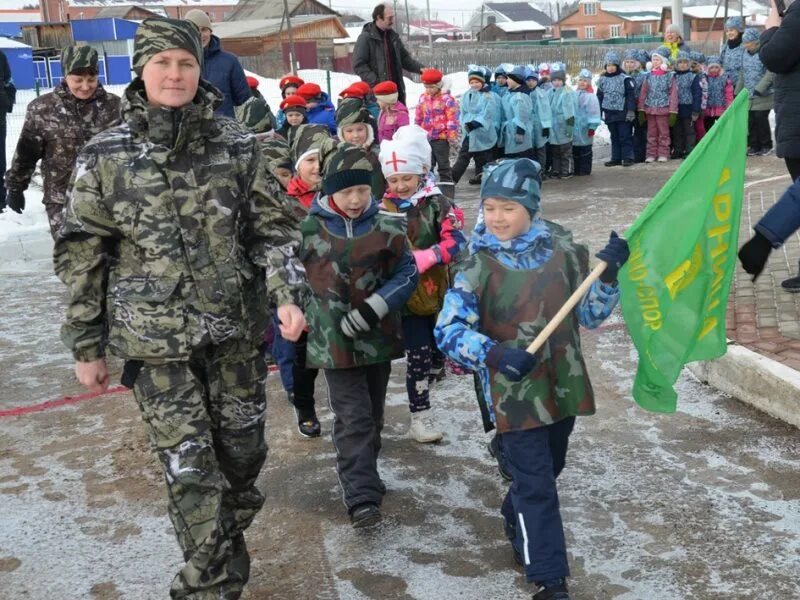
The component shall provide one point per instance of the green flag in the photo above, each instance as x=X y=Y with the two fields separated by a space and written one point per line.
x=683 y=253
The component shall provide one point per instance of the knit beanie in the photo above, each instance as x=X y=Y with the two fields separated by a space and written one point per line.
x=643 y=56
x=585 y=74
x=476 y=72
x=518 y=180
x=674 y=28
x=345 y=167
x=407 y=153
x=544 y=69
x=560 y=74
x=734 y=23
x=154 y=36
x=682 y=55
x=517 y=73
x=713 y=61
x=612 y=58
x=531 y=73
x=630 y=54
x=306 y=139
x=74 y=58
x=198 y=17
x=750 y=35
x=697 y=57
x=256 y=115
x=352 y=111
x=663 y=51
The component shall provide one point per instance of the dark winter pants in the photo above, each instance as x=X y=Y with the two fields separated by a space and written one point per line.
x=422 y=359
x=536 y=457
x=540 y=156
x=582 y=159
x=205 y=421
x=464 y=156
x=440 y=159
x=283 y=352
x=759 y=135
x=683 y=137
x=639 y=141
x=793 y=166
x=357 y=398
x=562 y=159
x=303 y=379
x=3 y=156
x=524 y=154
x=548 y=158
x=621 y=140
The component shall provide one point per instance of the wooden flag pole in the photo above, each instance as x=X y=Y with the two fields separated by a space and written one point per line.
x=567 y=308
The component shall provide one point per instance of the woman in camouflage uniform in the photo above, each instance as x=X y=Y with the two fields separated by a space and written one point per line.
x=172 y=221
x=57 y=125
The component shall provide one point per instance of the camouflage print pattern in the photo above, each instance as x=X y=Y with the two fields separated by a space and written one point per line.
x=513 y=307
x=57 y=125
x=78 y=57
x=172 y=223
x=305 y=138
x=342 y=273
x=352 y=111
x=256 y=115
x=154 y=36
x=205 y=421
x=276 y=152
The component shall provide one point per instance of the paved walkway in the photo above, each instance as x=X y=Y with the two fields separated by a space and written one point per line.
x=761 y=315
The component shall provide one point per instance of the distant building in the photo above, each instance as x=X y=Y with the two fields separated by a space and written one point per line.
x=73 y=10
x=512 y=32
x=708 y=22
x=496 y=13
x=274 y=9
x=602 y=20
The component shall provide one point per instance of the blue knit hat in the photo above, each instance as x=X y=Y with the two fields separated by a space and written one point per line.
x=735 y=23
x=663 y=51
x=518 y=180
x=517 y=74
x=697 y=57
x=642 y=56
x=630 y=54
x=476 y=72
x=682 y=55
x=750 y=35
x=585 y=74
x=531 y=72
x=713 y=60
x=612 y=58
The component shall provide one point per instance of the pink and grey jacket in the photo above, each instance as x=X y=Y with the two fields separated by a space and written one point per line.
x=392 y=119
x=438 y=115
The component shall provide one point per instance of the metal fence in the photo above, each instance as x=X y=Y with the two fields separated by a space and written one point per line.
x=454 y=58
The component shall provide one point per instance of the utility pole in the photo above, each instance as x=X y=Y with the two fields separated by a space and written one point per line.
x=408 y=25
x=677 y=15
x=292 y=55
x=430 y=34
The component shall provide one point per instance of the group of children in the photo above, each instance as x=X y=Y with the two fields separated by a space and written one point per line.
x=381 y=244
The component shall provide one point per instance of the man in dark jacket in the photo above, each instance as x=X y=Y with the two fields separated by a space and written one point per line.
x=780 y=53
x=380 y=55
x=221 y=69
x=5 y=107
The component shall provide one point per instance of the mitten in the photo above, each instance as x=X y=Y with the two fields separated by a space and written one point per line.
x=364 y=316
x=630 y=116
x=642 y=117
x=425 y=259
x=695 y=116
x=570 y=121
x=15 y=201
x=616 y=254
x=673 y=119
x=590 y=133
x=545 y=132
x=473 y=125
x=514 y=363
x=754 y=254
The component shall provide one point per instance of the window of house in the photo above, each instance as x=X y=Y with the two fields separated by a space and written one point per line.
x=616 y=31
x=647 y=28
x=590 y=8
x=225 y=15
x=588 y=32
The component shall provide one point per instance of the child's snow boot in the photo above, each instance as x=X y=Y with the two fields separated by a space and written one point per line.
x=365 y=515
x=422 y=430
x=496 y=450
x=555 y=589
x=308 y=424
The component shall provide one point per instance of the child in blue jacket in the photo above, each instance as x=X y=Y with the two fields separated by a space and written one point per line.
x=320 y=108
x=634 y=64
x=517 y=116
x=478 y=125
x=563 y=103
x=587 y=120
x=616 y=94
x=690 y=98
x=520 y=271
x=542 y=117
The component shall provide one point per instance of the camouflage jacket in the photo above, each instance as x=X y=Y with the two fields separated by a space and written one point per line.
x=57 y=125
x=171 y=222
x=345 y=266
x=494 y=301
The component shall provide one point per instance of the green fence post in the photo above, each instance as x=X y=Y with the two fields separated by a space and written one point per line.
x=328 y=78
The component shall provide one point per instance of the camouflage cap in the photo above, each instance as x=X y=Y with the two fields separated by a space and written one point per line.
x=158 y=35
x=345 y=167
x=256 y=115
x=306 y=138
x=352 y=111
x=518 y=180
x=78 y=57
x=276 y=151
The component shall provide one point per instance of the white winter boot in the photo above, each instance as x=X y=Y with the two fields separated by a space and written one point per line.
x=422 y=430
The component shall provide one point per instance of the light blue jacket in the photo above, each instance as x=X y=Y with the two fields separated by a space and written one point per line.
x=517 y=114
x=479 y=106
x=542 y=116
x=587 y=117
x=563 y=104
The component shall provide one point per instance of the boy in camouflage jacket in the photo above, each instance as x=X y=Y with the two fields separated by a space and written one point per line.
x=434 y=232
x=361 y=273
x=520 y=271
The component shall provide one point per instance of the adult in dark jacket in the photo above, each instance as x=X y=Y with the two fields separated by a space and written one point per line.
x=780 y=54
x=5 y=107
x=221 y=69
x=380 y=55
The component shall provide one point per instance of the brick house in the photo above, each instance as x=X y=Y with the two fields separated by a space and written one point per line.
x=69 y=10
x=601 y=20
x=708 y=22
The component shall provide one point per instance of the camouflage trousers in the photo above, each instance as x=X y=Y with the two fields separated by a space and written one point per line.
x=55 y=216
x=205 y=420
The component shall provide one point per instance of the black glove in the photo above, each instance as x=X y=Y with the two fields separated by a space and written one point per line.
x=757 y=93
x=364 y=316
x=570 y=121
x=2 y=201
x=520 y=130
x=754 y=254
x=514 y=363
x=473 y=125
x=545 y=132
x=616 y=254
x=15 y=201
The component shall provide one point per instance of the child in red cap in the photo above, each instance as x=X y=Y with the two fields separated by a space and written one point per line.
x=438 y=114
x=393 y=113
x=320 y=108
x=294 y=110
x=288 y=85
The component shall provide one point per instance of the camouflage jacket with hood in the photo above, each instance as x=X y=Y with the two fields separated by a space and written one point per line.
x=57 y=125
x=172 y=223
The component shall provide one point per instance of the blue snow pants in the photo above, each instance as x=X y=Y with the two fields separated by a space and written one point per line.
x=621 y=140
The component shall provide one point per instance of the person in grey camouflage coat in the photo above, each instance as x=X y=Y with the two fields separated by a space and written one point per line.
x=56 y=127
x=176 y=240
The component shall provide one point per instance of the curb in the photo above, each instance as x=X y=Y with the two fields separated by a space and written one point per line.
x=754 y=379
